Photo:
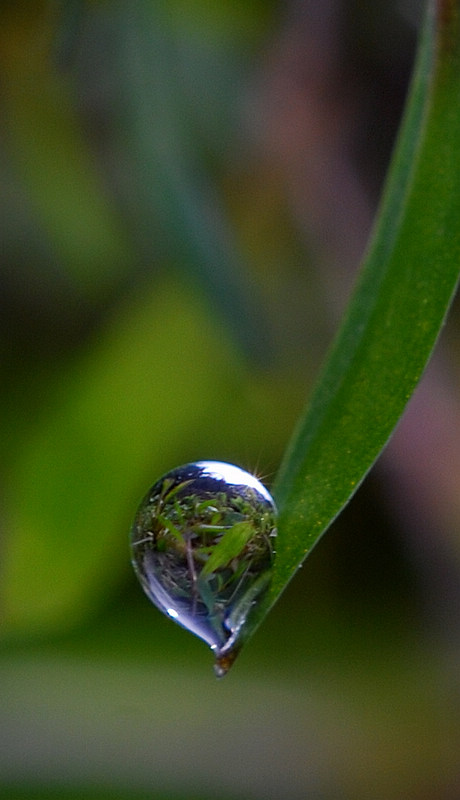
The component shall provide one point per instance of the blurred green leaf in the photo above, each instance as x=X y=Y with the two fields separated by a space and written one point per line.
x=52 y=157
x=177 y=207
x=159 y=385
x=397 y=311
x=123 y=411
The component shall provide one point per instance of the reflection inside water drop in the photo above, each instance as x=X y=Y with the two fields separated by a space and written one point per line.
x=202 y=548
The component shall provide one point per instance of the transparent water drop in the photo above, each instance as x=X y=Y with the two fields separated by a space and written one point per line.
x=202 y=548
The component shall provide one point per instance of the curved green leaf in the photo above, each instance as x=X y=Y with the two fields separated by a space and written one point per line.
x=397 y=310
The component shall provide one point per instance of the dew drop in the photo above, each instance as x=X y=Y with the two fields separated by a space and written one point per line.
x=202 y=548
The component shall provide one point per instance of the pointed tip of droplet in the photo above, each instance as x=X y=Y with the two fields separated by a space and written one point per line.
x=224 y=661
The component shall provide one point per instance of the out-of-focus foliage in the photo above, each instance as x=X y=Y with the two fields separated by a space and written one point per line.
x=186 y=191
x=154 y=372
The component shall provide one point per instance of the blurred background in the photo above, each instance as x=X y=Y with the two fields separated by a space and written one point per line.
x=187 y=189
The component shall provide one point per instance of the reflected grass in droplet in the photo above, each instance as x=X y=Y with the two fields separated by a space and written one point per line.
x=202 y=548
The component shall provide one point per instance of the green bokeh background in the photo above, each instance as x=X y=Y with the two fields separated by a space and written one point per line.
x=186 y=192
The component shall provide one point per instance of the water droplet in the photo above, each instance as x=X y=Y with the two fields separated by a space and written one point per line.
x=202 y=548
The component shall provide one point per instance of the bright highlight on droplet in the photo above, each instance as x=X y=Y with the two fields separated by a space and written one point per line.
x=202 y=548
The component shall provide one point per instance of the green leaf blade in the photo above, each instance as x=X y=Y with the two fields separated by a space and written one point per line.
x=396 y=314
x=230 y=546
